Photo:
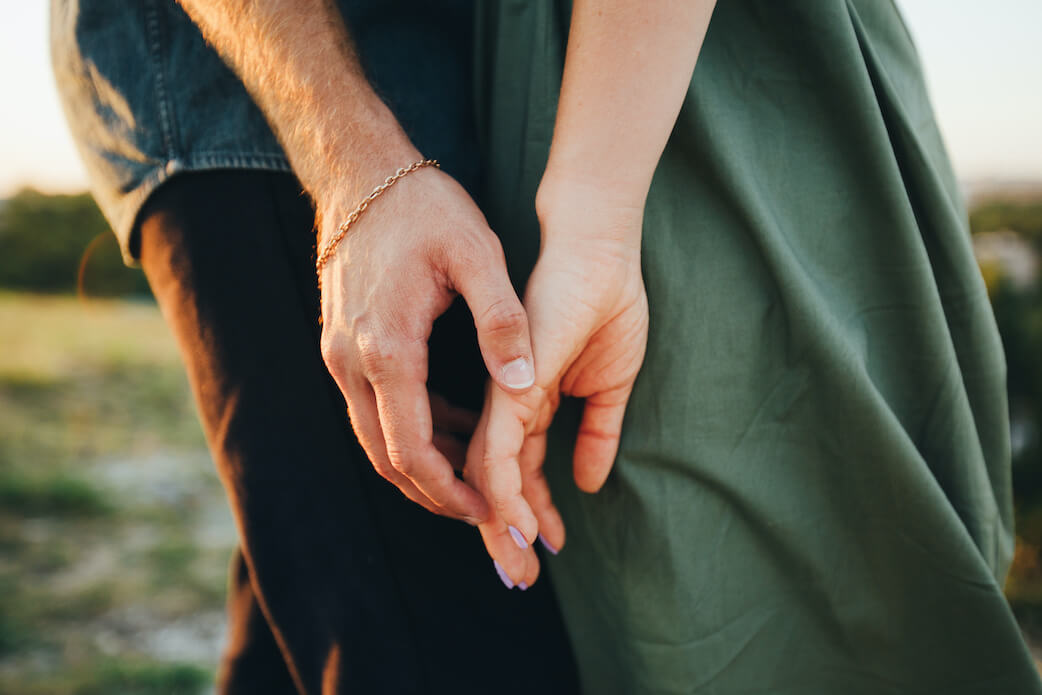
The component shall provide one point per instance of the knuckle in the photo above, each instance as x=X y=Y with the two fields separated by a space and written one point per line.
x=482 y=247
x=376 y=355
x=334 y=354
x=489 y=462
x=503 y=318
x=404 y=464
x=503 y=486
x=600 y=434
x=476 y=255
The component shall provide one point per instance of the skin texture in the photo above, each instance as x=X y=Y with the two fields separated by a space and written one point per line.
x=627 y=69
x=297 y=60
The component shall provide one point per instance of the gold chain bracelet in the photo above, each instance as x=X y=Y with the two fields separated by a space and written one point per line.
x=327 y=253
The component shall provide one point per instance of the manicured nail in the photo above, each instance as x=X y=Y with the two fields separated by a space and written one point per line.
x=522 y=586
x=518 y=538
x=503 y=576
x=546 y=544
x=518 y=374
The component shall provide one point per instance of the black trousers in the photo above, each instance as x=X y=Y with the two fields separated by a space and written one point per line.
x=340 y=585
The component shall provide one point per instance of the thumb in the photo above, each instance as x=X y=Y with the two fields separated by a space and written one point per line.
x=501 y=323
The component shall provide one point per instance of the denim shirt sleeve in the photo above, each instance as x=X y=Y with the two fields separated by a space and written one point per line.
x=146 y=98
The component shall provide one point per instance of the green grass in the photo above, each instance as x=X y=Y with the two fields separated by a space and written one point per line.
x=15 y=634
x=104 y=489
x=49 y=494
x=144 y=679
x=81 y=379
x=113 y=676
x=59 y=335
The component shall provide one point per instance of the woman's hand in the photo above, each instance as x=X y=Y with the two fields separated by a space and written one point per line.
x=585 y=300
x=398 y=269
x=588 y=317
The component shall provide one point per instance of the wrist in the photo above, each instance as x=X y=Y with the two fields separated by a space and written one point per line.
x=348 y=172
x=336 y=221
x=617 y=175
x=579 y=209
x=345 y=167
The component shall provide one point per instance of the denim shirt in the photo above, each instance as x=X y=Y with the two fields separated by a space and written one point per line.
x=146 y=98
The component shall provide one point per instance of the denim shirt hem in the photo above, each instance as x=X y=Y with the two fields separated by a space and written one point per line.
x=125 y=220
x=147 y=99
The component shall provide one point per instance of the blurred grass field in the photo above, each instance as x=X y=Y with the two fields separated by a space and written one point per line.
x=114 y=536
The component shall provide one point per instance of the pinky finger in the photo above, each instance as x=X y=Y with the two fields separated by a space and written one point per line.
x=536 y=491
x=598 y=440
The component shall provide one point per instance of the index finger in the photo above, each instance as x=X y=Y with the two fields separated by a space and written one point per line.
x=515 y=564
x=504 y=437
x=405 y=417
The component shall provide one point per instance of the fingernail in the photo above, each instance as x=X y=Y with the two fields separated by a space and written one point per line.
x=503 y=576
x=522 y=586
x=471 y=520
x=518 y=538
x=518 y=374
x=546 y=544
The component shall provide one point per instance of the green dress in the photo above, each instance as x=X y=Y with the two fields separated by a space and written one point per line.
x=813 y=489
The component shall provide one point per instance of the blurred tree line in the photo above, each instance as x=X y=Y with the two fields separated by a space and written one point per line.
x=1014 y=285
x=1016 y=298
x=48 y=243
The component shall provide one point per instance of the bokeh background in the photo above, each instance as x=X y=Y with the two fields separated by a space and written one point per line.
x=114 y=536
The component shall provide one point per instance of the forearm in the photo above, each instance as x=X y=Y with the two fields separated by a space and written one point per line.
x=627 y=70
x=299 y=64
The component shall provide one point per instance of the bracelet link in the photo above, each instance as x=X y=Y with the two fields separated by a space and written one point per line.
x=341 y=231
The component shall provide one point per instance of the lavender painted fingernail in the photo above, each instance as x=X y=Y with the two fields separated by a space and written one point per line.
x=518 y=538
x=546 y=544
x=522 y=586
x=503 y=576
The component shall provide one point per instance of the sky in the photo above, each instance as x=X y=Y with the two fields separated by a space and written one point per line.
x=983 y=65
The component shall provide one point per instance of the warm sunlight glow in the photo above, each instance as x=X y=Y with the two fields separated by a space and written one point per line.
x=981 y=59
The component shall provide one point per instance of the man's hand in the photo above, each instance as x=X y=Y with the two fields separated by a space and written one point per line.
x=453 y=428
x=588 y=315
x=398 y=269
x=401 y=264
